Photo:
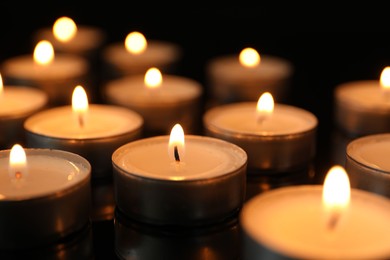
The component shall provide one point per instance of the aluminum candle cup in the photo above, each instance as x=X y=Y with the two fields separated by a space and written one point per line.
x=362 y=108
x=230 y=81
x=177 y=100
x=368 y=163
x=160 y=54
x=106 y=128
x=290 y=223
x=204 y=187
x=48 y=203
x=284 y=142
x=17 y=103
x=56 y=79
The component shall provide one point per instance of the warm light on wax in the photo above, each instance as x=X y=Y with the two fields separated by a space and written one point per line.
x=64 y=29
x=17 y=162
x=43 y=53
x=249 y=57
x=135 y=43
x=265 y=106
x=153 y=78
x=80 y=104
x=336 y=194
x=176 y=146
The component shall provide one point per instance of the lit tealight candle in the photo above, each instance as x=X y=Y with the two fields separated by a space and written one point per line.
x=367 y=162
x=16 y=104
x=363 y=107
x=51 y=72
x=91 y=130
x=162 y=100
x=241 y=77
x=137 y=54
x=44 y=196
x=204 y=186
x=276 y=137
x=69 y=37
x=317 y=222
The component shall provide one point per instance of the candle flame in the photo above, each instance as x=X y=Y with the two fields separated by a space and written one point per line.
x=135 y=43
x=385 y=82
x=249 y=57
x=17 y=162
x=153 y=78
x=265 y=106
x=64 y=29
x=1 y=86
x=43 y=52
x=80 y=104
x=176 y=147
x=336 y=194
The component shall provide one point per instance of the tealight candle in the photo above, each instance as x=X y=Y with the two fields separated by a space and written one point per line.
x=201 y=180
x=276 y=137
x=16 y=104
x=137 y=54
x=69 y=37
x=93 y=131
x=317 y=222
x=44 y=196
x=54 y=74
x=363 y=107
x=162 y=100
x=235 y=78
x=367 y=162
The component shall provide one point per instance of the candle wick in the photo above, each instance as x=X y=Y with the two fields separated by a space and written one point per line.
x=81 y=120
x=176 y=153
x=18 y=175
x=333 y=220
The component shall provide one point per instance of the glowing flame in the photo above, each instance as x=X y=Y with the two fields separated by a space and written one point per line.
x=64 y=29
x=43 y=52
x=80 y=104
x=176 y=147
x=1 y=86
x=265 y=106
x=336 y=193
x=385 y=80
x=135 y=42
x=17 y=162
x=153 y=78
x=249 y=57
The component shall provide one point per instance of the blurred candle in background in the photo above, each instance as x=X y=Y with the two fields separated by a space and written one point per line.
x=243 y=77
x=53 y=73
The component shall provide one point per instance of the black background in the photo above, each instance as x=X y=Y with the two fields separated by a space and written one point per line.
x=343 y=46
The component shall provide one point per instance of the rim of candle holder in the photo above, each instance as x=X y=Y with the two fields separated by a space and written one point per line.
x=383 y=173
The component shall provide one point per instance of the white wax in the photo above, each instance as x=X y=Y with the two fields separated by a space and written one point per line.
x=362 y=95
x=64 y=66
x=48 y=172
x=101 y=121
x=21 y=100
x=372 y=151
x=241 y=118
x=291 y=221
x=86 y=39
x=132 y=90
x=157 y=54
x=230 y=68
x=204 y=158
